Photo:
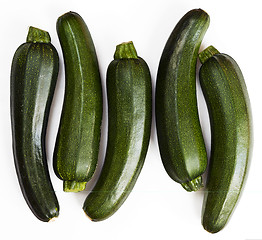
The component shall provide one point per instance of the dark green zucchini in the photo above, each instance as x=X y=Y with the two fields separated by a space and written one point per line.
x=33 y=78
x=78 y=138
x=129 y=95
x=230 y=118
x=180 y=139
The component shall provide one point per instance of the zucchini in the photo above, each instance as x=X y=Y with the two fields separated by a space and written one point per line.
x=228 y=104
x=129 y=93
x=77 y=144
x=180 y=138
x=34 y=73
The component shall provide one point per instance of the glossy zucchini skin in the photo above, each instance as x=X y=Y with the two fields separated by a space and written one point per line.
x=78 y=138
x=129 y=94
x=33 y=78
x=180 y=138
x=228 y=103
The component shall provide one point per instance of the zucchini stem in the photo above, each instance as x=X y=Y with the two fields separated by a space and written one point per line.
x=193 y=185
x=74 y=186
x=207 y=53
x=125 y=50
x=36 y=35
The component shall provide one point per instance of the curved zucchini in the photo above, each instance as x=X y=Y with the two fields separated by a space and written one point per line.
x=78 y=138
x=33 y=78
x=230 y=118
x=129 y=94
x=179 y=133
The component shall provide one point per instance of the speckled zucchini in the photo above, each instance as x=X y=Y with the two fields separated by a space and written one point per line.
x=78 y=138
x=180 y=139
x=33 y=78
x=230 y=118
x=129 y=94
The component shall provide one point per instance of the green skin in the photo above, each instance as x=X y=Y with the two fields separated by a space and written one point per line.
x=129 y=94
x=180 y=139
x=227 y=99
x=33 y=78
x=78 y=138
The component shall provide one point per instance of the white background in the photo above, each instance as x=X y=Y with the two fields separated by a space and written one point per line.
x=158 y=207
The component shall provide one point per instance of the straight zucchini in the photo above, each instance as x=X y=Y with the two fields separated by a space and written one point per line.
x=33 y=78
x=180 y=139
x=129 y=94
x=230 y=118
x=78 y=138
